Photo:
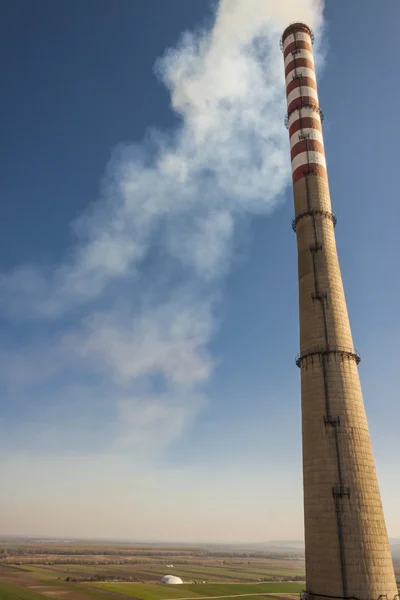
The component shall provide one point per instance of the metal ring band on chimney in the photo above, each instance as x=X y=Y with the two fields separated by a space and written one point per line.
x=314 y=107
x=340 y=350
x=314 y=211
x=304 y=595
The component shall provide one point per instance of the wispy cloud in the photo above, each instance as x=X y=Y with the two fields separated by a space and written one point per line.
x=132 y=306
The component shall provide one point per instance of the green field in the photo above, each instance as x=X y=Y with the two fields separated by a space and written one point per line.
x=41 y=570
x=153 y=572
x=165 y=592
x=9 y=591
x=245 y=572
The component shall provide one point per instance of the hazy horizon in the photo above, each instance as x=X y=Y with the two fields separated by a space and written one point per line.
x=284 y=543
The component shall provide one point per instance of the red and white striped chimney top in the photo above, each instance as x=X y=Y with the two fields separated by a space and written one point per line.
x=304 y=113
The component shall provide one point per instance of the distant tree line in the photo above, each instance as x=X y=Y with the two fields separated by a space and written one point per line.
x=24 y=551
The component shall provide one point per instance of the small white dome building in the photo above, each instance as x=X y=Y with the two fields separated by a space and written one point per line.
x=171 y=580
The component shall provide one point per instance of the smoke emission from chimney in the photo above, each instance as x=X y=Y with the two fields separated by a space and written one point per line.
x=177 y=197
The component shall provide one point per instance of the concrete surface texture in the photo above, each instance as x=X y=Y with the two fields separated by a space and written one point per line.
x=347 y=547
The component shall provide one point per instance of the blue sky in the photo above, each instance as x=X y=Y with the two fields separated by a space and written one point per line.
x=148 y=278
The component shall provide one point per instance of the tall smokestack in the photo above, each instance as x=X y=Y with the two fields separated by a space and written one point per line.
x=347 y=547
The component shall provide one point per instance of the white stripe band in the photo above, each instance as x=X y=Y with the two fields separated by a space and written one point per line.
x=300 y=36
x=301 y=71
x=313 y=134
x=308 y=157
x=304 y=91
x=299 y=54
x=305 y=112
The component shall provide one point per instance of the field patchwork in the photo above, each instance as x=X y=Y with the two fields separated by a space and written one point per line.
x=214 y=590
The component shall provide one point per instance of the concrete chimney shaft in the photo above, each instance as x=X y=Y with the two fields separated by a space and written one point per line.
x=347 y=547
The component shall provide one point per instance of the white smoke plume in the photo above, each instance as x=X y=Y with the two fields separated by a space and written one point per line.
x=161 y=236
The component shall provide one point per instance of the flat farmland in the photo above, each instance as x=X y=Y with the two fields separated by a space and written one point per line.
x=33 y=570
x=150 y=572
x=236 y=571
x=9 y=591
x=19 y=588
x=212 y=590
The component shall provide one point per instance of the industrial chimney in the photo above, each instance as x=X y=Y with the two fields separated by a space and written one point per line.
x=347 y=547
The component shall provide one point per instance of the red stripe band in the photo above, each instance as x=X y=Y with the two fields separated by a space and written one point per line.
x=299 y=62
x=312 y=169
x=300 y=81
x=302 y=101
x=304 y=145
x=302 y=123
x=297 y=45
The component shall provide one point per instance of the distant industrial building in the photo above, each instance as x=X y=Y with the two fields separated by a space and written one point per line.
x=171 y=580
